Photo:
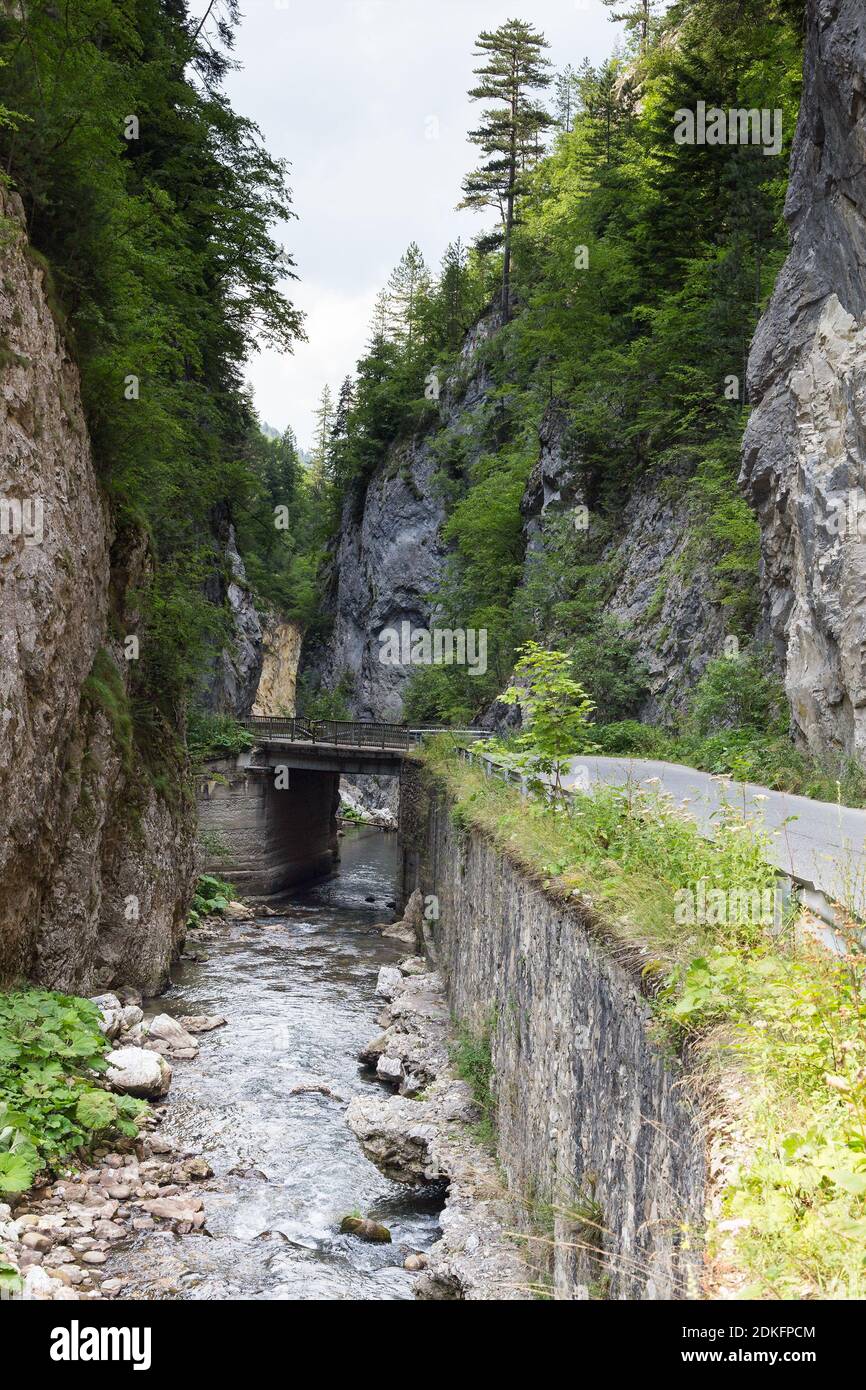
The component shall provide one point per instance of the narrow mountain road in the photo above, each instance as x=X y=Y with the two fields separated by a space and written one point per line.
x=822 y=844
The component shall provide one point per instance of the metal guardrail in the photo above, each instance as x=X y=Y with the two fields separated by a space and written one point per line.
x=343 y=733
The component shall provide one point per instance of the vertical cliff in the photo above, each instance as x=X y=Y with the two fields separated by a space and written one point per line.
x=96 y=856
x=804 y=456
x=281 y=650
x=391 y=556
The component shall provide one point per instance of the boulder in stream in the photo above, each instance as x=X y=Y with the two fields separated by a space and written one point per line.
x=138 y=1072
x=202 y=1023
x=365 y=1229
x=171 y=1037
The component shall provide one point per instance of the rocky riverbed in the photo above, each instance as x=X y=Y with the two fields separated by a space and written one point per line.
x=271 y=1164
x=427 y=1133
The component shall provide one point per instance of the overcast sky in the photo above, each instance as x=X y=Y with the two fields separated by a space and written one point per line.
x=367 y=100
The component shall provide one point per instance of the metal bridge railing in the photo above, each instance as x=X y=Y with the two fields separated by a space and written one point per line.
x=343 y=733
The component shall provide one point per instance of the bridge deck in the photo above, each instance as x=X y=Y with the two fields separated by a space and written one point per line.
x=340 y=733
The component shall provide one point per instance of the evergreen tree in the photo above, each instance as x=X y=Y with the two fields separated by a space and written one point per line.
x=637 y=18
x=408 y=284
x=379 y=321
x=510 y=133
x=566 y=98
x=453 y=294
x=321 y=464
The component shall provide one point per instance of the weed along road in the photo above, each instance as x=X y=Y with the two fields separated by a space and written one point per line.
x=817 y=842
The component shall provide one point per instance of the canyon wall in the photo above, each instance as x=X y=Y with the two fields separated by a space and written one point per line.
x=281 y=651
x=595 y=1125
x=96 y=857
x=391 y=556
x=804 y=454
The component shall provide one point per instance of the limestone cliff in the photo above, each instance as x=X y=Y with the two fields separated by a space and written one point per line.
x=391 y=556
x=281 y=653
x=95 y=863
x=804 y=457
x=231 y=682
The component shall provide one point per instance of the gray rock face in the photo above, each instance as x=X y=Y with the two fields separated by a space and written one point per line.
x=663 y=587
x=804 y=454
x=237 y=667
x=665 y=597
x=387 y=562
x=95 y=867
x=391 y=556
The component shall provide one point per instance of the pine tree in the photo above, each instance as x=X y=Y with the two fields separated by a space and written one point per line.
x=637 y=18
x=409 y=282
x=379 y=321
x=566 y=98
x=453 y=294
x=509 y=135
x=321 y=464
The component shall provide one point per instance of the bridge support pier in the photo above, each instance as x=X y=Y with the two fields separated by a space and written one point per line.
x=264 y=837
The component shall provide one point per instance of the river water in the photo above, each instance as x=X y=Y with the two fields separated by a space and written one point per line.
x=299 y=995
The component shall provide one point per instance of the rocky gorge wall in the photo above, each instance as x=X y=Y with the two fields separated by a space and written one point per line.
x=391 y=556
x=594 y=1122
x=96 y=863
x=804 y=453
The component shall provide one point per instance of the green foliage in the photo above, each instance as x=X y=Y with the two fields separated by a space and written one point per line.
x=51 y=1050
x=741 y=692
x=472 y=1056
x=316 y=702
x=215 y=736
x=212 y=895
x=795 y=1021
x=555 y=707
x=158 y=257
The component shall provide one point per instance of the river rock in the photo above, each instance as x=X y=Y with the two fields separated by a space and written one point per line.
x=172 y=1038
x=371 y=1053
x=412 y=965
x=398 y=931
x=415 y=1261
x=238 y=912
x=389 y=981
x=130 y=1016
x=201 y=1023
x=137 y=1072
x=389 y=1069
x=41 y=1287
x=174 y=1208
x=305 y=1088
x=365 y=1229
x=111 y=1014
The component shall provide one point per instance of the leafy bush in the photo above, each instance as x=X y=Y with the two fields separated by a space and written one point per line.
x=215 y=735
x=743 y=693
x=51 y=1050
x=211 y=895
x=630 y=736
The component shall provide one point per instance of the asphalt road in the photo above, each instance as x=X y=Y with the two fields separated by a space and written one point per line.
x=822 y=844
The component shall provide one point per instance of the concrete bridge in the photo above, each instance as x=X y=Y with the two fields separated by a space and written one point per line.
x=268 y=817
